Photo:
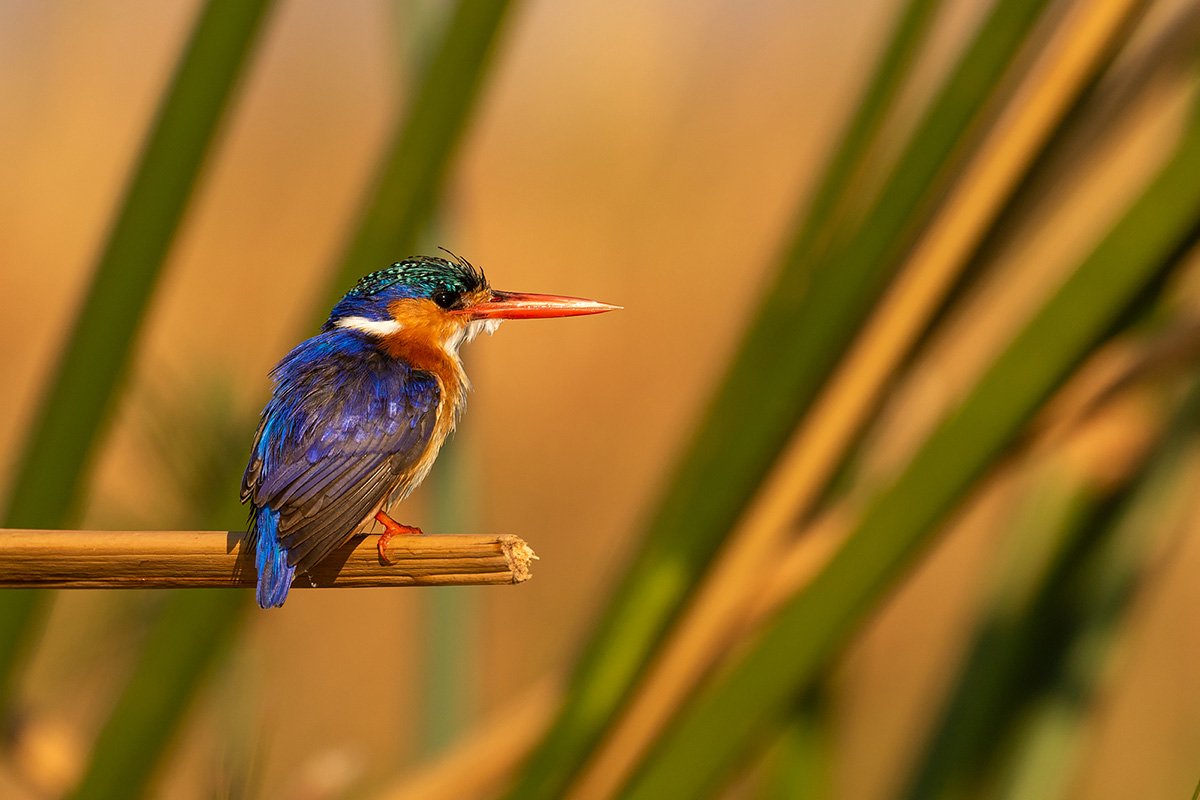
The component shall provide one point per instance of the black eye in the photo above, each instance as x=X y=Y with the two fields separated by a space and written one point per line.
x=446 y=298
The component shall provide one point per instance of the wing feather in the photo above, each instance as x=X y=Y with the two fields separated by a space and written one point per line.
x=340 y=434
x=314 y=539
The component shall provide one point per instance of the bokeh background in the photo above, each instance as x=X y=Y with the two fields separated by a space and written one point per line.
x=651 y=154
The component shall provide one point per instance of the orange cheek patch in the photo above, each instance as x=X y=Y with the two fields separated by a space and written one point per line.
x=422 y=320
x=424 y=329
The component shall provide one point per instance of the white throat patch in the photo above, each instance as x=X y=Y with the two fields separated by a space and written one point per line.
x=375 y=327
x=469 y=332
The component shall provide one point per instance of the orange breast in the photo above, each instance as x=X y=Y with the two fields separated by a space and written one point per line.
x=422 y=352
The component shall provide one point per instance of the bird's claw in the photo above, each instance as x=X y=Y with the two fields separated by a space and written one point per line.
x=392 y=528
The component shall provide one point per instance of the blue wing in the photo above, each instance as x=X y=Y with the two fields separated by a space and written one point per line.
x=345 y=427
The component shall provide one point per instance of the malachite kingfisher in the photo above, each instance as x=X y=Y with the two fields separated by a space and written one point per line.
x=359 y=411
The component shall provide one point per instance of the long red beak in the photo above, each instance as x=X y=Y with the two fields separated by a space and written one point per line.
x=520 y=305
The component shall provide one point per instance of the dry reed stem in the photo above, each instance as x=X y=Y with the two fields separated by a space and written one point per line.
x=1043 y=96
x=483 y=762
x=1114 y=144
x=1103 y=435
x=190 y=559
x=1117 y=367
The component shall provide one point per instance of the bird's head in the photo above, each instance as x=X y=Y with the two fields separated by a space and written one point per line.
x=435 y=301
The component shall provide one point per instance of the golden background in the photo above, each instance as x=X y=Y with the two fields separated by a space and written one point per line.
x=643 y=153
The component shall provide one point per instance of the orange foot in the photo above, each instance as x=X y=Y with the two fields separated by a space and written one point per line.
x=392 y=528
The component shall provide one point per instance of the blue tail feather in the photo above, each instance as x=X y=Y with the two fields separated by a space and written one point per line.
x=274 y=573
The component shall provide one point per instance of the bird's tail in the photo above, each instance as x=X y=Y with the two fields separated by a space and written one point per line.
x=274 y=573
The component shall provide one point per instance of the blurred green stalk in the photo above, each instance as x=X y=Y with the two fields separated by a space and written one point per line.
x=799 y=761
x=408 y=183
x=78 y=401
x=1013 y=641
x=193 y=631
x=826 y=284
x=1093 y=589
x=448 y=670
x=755 y=691
x=397 y=210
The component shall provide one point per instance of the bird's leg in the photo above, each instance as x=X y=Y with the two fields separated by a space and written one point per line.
x=392 y=528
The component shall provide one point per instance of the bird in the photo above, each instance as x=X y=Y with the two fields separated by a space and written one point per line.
x=359 y=411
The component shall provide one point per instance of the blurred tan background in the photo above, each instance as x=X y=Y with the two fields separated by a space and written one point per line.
x=643 y=153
